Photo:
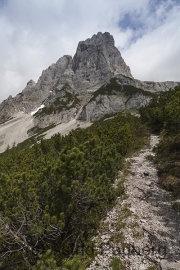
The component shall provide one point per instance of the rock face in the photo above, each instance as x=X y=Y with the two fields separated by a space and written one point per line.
x=112 y=98
x=96 y=61
x=105 y=104
x=61 y=106
x=7 y=109
x=148 y=85
x=67 y=87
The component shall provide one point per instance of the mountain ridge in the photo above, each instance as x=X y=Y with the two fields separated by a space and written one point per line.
x=67 y=87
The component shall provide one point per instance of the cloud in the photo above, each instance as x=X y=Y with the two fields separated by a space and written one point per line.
x=155 y=56
x=35 y=34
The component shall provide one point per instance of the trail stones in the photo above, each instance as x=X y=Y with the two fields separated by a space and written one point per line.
x=167 y=265
x=146 y=174
x=148 y=183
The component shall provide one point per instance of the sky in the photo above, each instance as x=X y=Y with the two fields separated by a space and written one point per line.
x=36 y=33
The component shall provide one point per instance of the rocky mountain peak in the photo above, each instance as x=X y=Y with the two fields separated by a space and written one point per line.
x=97 y=40
x=10 y=97
x=64 y=62
x=97 y=60
x=31 y=83
x=70 y=82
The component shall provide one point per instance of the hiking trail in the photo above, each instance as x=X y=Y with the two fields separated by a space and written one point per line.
x=142 y=230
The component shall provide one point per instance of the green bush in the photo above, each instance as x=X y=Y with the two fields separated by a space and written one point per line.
x=117 y=264
x=163 y=115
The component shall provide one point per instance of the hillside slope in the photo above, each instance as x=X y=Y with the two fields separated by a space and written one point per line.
x=142 y=231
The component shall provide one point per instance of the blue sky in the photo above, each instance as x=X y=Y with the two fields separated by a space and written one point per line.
x=34 y=34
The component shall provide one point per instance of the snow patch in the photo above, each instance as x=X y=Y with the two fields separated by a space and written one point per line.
x=33 y=112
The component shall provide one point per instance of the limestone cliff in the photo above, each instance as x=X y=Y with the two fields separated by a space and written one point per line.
x=96 y=61
x=112 y=98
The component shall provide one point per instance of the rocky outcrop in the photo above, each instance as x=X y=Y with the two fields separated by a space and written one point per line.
x=25 y=101
x=96 y=61
x=7 y=109
x=55 y=77
x=112 y=98
x=46 y=120
x=60 y=107
x=147 y=85
x=105 y=104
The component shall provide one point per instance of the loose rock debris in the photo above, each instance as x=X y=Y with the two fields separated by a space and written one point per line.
x=143 y=231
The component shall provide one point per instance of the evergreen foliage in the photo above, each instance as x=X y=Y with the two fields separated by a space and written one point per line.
x=117 y=264
x=37 y=130
x=53 y=195
x=163 y=112
x=163 y=115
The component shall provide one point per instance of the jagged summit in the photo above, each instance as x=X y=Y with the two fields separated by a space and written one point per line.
x=31 y=83
x=97 y=58
x=99 y=40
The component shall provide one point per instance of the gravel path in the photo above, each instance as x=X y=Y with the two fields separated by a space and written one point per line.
x=142 y=231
